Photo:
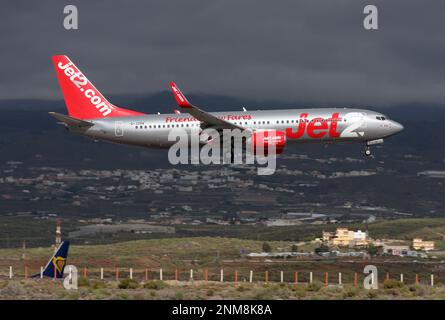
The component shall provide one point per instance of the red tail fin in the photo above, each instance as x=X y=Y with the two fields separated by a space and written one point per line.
x=82 y=99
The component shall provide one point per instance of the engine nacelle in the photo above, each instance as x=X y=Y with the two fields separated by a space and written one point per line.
x=265 y=139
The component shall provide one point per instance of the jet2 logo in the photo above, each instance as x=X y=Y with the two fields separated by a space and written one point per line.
x=79 y=80
x=316 y=128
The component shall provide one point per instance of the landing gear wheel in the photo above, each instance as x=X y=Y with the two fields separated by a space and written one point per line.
x=368 y=151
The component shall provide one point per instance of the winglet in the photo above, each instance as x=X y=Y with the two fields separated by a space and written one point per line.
x=181 y=100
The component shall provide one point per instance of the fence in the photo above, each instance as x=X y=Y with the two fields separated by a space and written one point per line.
x=296 y=277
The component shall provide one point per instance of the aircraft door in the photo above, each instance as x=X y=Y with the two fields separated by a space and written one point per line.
x=119 y=129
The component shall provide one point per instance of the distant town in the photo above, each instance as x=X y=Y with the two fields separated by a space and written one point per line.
x=348 y=243
x=123 y=203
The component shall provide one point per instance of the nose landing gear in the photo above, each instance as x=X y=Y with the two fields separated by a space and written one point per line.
x=368 y=151
x=371 y=143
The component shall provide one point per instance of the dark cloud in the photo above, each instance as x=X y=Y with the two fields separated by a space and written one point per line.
x=310 y=50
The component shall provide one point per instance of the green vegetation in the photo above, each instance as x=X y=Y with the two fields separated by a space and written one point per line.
x=315 y=286
x=155 y=285
x=128 y=284
x=350 y=292
x=392 y=284
x=322 y=248
x=372 y=250
x=267 y=247
x=49 y=289
x=39 y=232
x=179 y=295
x=96 y=285
x=404 y=229
x=83 y=282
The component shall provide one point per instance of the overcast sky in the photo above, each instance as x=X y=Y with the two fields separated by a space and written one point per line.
x=312 y=50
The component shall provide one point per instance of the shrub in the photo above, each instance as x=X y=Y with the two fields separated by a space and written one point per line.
x=417 y=290
x=128 y=284
x=372 y=250
x=241 y=288
x=155 y=285
x=263 y=294
x=350 y=293
x=95 y=285
x=123 y=296
x=314 y=286
x=392 y=284
x=393 y=291
x=300 y=292
x=321 y=248
x=83 y=282
x=267 y=247
x=372 y=294
x=179 y=295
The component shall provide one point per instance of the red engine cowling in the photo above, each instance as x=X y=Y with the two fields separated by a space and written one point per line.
x=266 y=139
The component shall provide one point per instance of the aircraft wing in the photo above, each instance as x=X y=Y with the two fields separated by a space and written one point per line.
x=208 y=120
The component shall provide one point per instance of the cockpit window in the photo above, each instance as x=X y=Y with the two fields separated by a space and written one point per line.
x=380 y=118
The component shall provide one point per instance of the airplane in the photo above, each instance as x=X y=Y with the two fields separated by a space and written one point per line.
x=56 y=265
x=92 y=115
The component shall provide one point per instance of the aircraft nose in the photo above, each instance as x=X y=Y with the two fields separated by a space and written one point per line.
x=397 y=127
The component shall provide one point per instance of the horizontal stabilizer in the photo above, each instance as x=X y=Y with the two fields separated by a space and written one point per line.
x=70 y=121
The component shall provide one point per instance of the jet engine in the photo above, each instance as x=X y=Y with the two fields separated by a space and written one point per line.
x=266 y=139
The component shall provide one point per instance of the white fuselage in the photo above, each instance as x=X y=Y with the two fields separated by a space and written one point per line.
x=318 y=125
